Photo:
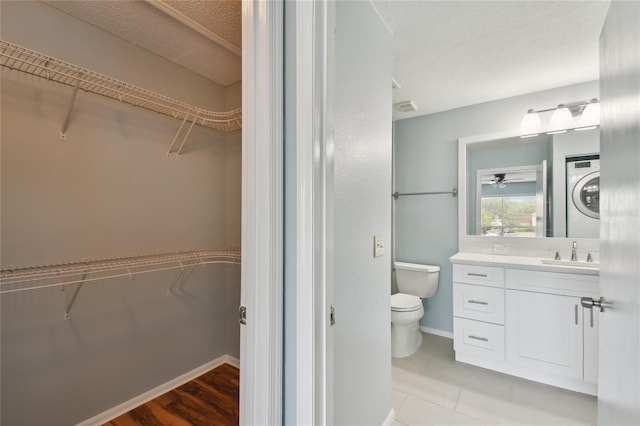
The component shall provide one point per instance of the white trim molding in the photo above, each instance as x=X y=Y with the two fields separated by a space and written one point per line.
x=262 y=216
x=314 y=179
x=195 y=26
x=143 y=398
x=390 y=418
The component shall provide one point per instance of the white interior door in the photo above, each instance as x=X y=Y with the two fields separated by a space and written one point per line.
x=619 y=366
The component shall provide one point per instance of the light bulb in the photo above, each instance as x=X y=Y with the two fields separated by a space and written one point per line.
x=530 y=125
x=591 y=116
x=560 y=120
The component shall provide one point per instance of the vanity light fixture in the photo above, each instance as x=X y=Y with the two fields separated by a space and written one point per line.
x=561 y=119
x=531 y=124
x=590 y=118
x=575 y=116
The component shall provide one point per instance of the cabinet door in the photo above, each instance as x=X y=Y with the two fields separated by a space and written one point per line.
x=544 y=332
x=591 y=326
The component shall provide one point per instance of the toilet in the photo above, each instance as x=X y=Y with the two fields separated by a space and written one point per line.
x=415 y=282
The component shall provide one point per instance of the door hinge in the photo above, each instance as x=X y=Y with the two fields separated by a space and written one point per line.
x=332 y=316
x=242 y=313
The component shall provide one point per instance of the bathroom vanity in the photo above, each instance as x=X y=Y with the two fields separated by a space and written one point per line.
x=523 y=317
x=517 y=304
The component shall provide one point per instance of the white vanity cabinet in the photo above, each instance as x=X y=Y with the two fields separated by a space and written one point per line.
x=549 y=330
x=527 y=321
x=478 y=309
x=545 y=332
x=590 y=339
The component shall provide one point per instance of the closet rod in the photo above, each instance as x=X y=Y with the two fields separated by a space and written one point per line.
x=28 y=61
x=42 y=276
x=453 y=192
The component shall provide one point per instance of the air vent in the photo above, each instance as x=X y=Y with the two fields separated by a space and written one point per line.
x=405 y=106
x=395 y=84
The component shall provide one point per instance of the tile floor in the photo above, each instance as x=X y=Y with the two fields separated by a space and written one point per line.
x=430 y=388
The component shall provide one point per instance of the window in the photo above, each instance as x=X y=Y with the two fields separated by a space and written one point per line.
x=508 y=215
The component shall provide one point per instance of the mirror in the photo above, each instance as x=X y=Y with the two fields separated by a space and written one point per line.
x=510 y=202
x=543 y=186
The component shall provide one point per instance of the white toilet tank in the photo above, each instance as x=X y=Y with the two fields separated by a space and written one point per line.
x=416 y=279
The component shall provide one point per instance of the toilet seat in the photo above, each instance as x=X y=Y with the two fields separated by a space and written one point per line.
x=401 y=302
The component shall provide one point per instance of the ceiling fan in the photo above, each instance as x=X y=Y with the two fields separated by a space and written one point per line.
x=500 y=180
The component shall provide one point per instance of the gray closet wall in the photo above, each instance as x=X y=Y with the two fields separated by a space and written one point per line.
x=109 y=191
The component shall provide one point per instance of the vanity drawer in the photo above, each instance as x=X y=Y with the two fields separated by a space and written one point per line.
x=478 y=338
x=552 y=282
x=478 y=302
x=474 y=274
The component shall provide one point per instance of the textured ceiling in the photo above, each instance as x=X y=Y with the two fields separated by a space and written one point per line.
x=144 y=25
x=449 y=54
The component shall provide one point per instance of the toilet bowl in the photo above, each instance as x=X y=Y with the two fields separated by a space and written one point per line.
x=415 y=281
x=406 y=312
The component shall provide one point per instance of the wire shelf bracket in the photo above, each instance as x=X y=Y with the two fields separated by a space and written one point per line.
x=181 y=279
x=70 y=303
x=65 y=124
x=18 y=58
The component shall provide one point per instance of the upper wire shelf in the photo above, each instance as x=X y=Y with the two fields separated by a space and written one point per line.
x=22 y=59
x=42 y=276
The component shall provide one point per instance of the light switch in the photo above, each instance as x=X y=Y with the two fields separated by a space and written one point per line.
x=378 y=247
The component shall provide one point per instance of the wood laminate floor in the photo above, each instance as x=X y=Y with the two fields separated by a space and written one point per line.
x=211 y=399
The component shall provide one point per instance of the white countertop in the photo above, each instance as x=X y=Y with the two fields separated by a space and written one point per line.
x=521 y=262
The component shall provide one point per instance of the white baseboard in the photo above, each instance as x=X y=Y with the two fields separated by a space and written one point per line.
x=231 y=361
x=147 y=396
x=437 y=332
x=390 y=418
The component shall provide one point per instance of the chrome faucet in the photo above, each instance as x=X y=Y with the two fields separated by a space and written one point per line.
x=574 y=255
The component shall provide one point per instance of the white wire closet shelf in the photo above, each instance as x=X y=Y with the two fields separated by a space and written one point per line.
x=42 y=276
x=22 y=59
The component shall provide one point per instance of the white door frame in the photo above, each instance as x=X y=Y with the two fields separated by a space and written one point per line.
x=262 y=198
x=314 y=197
x=262 y=212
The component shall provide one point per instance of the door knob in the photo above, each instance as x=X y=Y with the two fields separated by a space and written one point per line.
x=589 y=302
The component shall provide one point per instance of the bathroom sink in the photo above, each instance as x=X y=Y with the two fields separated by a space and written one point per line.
x=571 y=263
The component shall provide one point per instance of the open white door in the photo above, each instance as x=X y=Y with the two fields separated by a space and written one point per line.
x=261 y=282
x=619 y=366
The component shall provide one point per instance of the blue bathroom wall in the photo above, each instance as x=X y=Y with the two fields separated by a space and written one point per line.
x=426 y=159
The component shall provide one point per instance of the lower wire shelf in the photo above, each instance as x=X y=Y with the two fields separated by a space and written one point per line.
x=16 y=279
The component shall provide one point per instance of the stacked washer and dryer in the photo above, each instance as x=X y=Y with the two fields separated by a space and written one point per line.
x=583 y=196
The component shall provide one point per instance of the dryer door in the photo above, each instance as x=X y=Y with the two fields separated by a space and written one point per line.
x=586 y=195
